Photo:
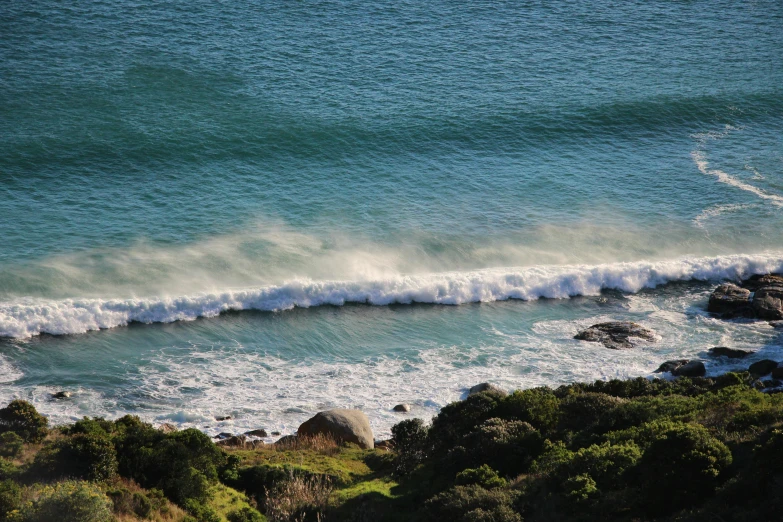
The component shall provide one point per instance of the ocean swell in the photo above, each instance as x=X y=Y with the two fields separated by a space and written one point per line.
x=26 y=317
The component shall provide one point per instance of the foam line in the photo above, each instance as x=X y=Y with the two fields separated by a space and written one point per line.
x=25 y=317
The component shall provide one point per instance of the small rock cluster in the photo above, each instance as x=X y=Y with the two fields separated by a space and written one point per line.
x=758 y=297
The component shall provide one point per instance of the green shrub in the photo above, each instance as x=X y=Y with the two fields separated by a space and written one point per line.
x=87 y=457
x=68 y=501
x=457 y=419
x=95 y=426
x=201 y=512
x=581 y=488
x=537 y=406
x=136 y=503
x=410 y=444
x=681 y=467
x=245 y=515
x=7 y=469
x=472 y=503
x=10 y=444
x=506 y=445
x=10 y=497
x=586 y=411
x=483 y=476
x=22 y=418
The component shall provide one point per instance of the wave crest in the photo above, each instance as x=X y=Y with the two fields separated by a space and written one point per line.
x=26 y=317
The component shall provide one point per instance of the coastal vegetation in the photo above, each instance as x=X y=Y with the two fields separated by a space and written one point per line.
x=639 y=449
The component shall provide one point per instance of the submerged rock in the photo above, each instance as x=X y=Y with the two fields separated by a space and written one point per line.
x=730 y=300
x=402 y=408
x=344 y=425
x=61 y=395
x=486 y=387
x=763 y=367
x=731 y=353
x=256 y=433
x=227 y=417
x=616 y=335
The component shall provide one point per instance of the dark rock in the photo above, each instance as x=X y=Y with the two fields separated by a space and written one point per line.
x=616 y=334
x=287 y=440
x=344 y=425
x=256 y=433
x=275 y=433
x=762 y=367
x=755 y=282
x=388 y=445
x=768 y=302
x=402 y=408
x=729 y=299
x=777 y=373
x=227 y=417
x=233 y=442
x=731 y=353
x=690 y=369
x=167 y=427
x=224 y=435
x=486 y=387
x=776 y=324
x=61 y=395
x=670 y=366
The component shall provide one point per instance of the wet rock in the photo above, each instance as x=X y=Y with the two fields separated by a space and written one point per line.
x=729 y=299
x=224 y=435
x=690 y=369
x=167 y=427
x=776 y=324
x=768 y=303
x=256 y=433
x=275 y=433
x=486 y=387
x=344 y=425
x=670 y=366
x=61 y=395
x=762 y=367
x=227 y=417
x=755 y=282
x=777 y=373
x=731 y=353
x=616 y=335
x=402 y=408
x=238 y=441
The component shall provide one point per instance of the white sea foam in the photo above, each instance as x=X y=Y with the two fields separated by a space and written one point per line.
x=25 y=317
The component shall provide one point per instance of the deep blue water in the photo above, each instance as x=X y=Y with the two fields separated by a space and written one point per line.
x=168 y=162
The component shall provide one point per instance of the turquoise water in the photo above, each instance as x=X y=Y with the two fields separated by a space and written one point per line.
x=268 y=210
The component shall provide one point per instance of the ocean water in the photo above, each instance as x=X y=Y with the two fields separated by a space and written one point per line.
x=267 y=210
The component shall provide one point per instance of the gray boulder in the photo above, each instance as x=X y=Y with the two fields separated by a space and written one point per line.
x=238 y=441
x=768 y=303
x=730 y=300
x=690 y=369
x=616 y=335
x=344 y=425
x=486 y=387
x=256 y=433
x=731 y=353
x=402 y=408
x=762 y=367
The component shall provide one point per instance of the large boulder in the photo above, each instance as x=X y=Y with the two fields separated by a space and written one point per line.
x=762 y=367
x=690 y=369
x=616 y=335
x=731 y=353
x=670 y=366
x=345 y=425
x=486 y=387
x=768 y=302
x=755 y=282
x=730 y=300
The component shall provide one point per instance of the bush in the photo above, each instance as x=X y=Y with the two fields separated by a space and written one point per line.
x=69 y=501
x=245 y=515
x=10 y=444
x=95 y=426
x=10 y=497
x=483 y=476
x=7 y=469
x=472 y=504
x=201 y=512
x=506 y=445
x=136 y=503
x=87 y=457
x=681 y=467
x=586 y=411
x=21 y=417
x=299 y=498
x=538 y=406
x=410 y=439
x=458 y=419
x=257 y=480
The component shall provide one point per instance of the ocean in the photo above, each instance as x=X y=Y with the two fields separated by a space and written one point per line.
x=264 y=210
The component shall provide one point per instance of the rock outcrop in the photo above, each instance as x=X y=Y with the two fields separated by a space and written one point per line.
x=344 y=425
x=768 y=303
x=670 y=366
x=486 y=387
x=402 y=408
x=730 y=300
x=683 y=368
x=616 y=335
x=256 y=433
x=759 y=296
x=763 y=367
